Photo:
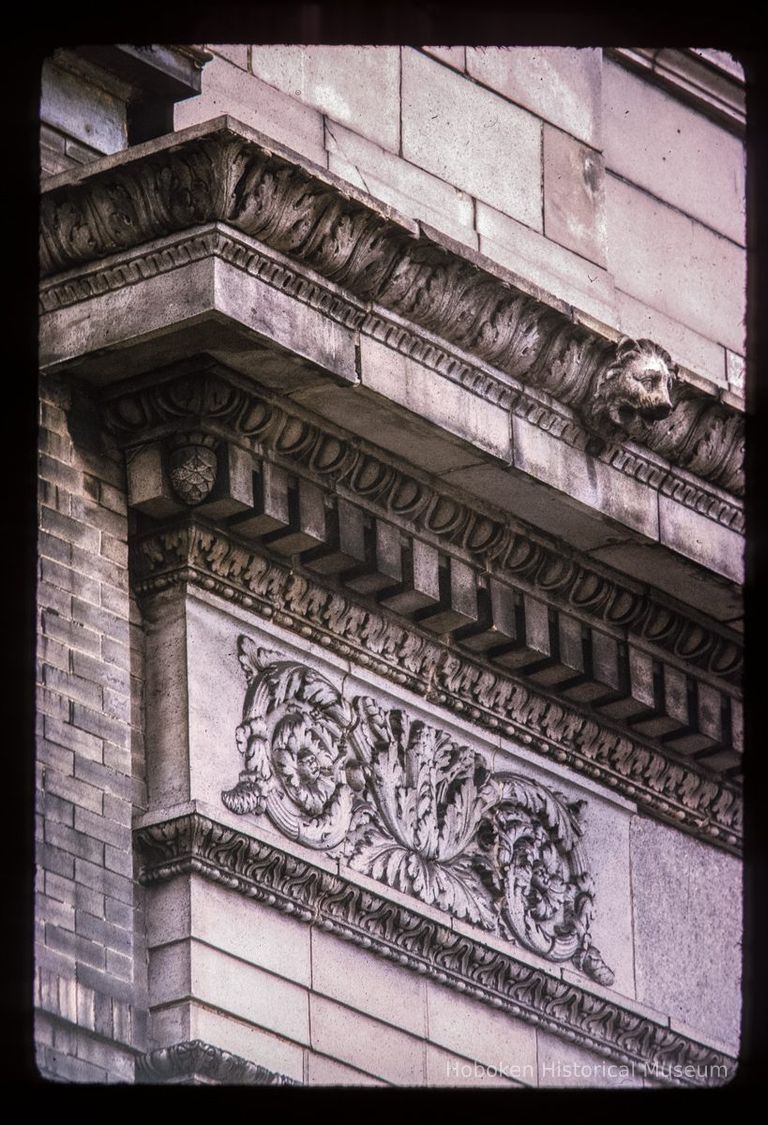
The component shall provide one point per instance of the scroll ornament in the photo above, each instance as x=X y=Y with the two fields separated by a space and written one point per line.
x=405 y=804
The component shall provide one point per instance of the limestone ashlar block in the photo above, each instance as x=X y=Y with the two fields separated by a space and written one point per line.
x=345 y=546
x=149 y=490
x=560 y=84
x=458 y=599
x=306 y=523
x=358 y=86
x=365 y=1043
x=382 y=567
x=676 y=264
x=233 y=489
x=270 y=511
x=471 y=137
x=659 y=143
x=420 y=585
x=574 y=195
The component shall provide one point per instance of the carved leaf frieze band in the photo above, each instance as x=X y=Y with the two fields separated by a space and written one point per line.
x=496 y=544
x=305 y=215
x=704 y=805
x=198 y=1063
x=412 y=808
x=195 y=845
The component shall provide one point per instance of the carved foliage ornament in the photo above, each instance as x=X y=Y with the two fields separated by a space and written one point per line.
x=224 y=177
x=407 y=805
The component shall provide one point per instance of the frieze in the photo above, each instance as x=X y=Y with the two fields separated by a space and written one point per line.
x=195 y=845
x=409 y=806
x=498 y=545
x=194 y=1062
x=308 y=215
x=705 y=805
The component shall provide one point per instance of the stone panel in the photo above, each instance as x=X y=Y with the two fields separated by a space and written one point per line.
x=365 y=1043
x=465 y=135
x=560 y=84
x=226 y=89
x=688 y=929
x=688 y=348
x=563 y=1065
x=82 y=110
x=475 y=1032
x=452 y=56
x=659 y=143
x=403 y=186
x=447 y=1069
x=367 y=983
x=693 y=535
x=574 y=195
x=675 y=264
x=322 y=1071
x=358 y=86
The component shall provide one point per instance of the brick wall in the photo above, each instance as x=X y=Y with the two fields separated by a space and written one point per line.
x=559 y=164
x=88 y=726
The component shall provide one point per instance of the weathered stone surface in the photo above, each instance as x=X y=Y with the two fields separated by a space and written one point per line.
x=688 y=935
x=358 y=86
x=453 y=56
x=449 y=1070
x=689 y=348
x=248 y=98
x=659 y=143
x=461 y=1025
x=560 y=84
x=465 y=134
x=236 y=53
x=323 y=1071
x=366 y=1044
x=402 y=185
x=693 y=535
x=574 y=195
x=368 y=984
x=675 y=264
x=423 y=393
x=82 y=110
x=565 y=1066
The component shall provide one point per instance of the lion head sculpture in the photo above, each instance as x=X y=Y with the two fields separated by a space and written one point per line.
x=634 y=390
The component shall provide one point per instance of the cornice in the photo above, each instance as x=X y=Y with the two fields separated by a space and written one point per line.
x=196 y=1063
x=227 y=173
x=672 y=790
x=193 y=844
x=535 y=405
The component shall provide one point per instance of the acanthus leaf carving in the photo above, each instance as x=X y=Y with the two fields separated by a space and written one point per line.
x=227 y=178
x=408 y=806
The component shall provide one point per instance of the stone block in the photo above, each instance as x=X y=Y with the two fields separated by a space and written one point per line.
x=735 y=371
x=227 y=89
x=248 y=930
x=405 y=434
x=470 y=137
x=365 y=1043
x=711 y=544
x=166 y=695
x=596 y=485
x=676 y=264
x=540 y=262
x=80 y=109
x=687 y=347
x=471 y=1029
x=560 y=84
x=574 y=195
x=370 y=984
x=446 y=1069
x=657 y=142
x=564 y=1065
x=358 y=86
x=688 y=930
x=239 y=1038
x=430 y=396
x=402 y=185
x=322 y=1071
x=236 y=53
x=452 y=56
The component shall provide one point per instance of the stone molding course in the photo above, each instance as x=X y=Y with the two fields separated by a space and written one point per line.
x=195 y=845
x=195 y=1063
x=227 y=173
x=676 y=791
